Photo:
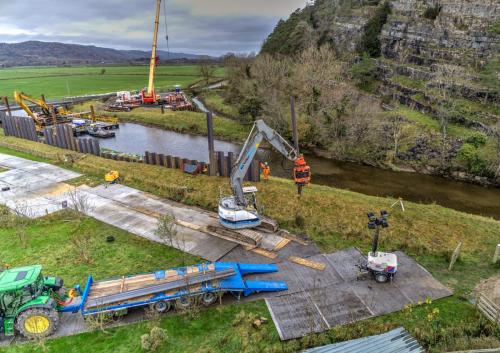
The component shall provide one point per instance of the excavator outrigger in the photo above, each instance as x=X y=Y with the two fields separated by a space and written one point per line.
x=239 y=210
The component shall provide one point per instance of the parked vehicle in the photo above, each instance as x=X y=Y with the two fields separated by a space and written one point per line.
x=30 y=303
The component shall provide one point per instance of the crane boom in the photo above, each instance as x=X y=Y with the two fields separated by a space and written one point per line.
x=152 y=63
x=149 y=96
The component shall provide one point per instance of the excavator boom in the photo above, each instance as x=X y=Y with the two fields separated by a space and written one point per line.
x=233 y=210
x=20 y=99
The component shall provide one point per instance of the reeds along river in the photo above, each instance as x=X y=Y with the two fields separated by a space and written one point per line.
x=136 y=139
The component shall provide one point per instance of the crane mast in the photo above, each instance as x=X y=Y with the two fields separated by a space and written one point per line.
x=149 y=96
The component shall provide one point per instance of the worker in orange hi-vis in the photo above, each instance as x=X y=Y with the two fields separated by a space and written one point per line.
x=265 y=170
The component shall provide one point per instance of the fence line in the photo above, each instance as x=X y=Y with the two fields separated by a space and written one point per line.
x=223 y=164
x=488 y=308
x=19 y=126
x=62 y=136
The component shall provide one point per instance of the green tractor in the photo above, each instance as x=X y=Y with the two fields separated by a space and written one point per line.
x=28 y=302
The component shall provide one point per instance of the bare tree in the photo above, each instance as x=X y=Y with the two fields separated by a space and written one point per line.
x=206 y=69
x=166 y=229
x=445 y=78
x=397 y=130
x=79 y=201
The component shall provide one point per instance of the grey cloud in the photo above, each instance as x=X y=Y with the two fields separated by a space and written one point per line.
x=128 y=25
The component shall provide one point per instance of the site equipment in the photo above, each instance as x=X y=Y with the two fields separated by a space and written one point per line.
x=239 y=210
x=383 y=266
x=46 y=115
x=112 y=177
x=149 y=96
x=49 y=115
x=29 y=301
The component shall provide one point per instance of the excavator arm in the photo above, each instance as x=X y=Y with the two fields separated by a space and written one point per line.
x=261 y=131
x=20 y=99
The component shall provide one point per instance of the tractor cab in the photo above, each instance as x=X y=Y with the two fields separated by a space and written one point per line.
x=26 y=303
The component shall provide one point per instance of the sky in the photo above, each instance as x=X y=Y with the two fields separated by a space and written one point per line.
x=212 y=27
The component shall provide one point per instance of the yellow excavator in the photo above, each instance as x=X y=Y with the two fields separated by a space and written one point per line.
x=47 y=114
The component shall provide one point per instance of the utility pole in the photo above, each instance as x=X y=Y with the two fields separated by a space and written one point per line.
x=211 y=149
x=294 y=124
x=7 y=105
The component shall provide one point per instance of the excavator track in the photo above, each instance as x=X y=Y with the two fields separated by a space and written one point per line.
x=245 y=237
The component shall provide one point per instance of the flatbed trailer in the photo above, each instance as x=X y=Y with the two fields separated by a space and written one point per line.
x=177 y=287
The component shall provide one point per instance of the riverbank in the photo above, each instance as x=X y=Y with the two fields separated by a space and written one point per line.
x=334 y=219
x=194 y=123
x=228 y=128
x=419 y=145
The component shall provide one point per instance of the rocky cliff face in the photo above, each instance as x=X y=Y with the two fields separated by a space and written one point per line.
x=460 y=31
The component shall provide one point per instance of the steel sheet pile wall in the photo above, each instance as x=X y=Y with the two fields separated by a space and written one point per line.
x=224 y=164
x=19 y=126
x=62 y=136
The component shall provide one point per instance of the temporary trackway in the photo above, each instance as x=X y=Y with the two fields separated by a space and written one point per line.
x=316 y=300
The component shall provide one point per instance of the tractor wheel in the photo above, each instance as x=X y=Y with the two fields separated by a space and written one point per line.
x=37 y=322
x=208 y=298
x=161 y=306
x=381 y=278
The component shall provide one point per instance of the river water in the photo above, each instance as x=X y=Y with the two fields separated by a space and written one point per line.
x=136 y=139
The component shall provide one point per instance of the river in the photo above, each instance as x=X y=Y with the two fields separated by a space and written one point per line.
x=135 y=139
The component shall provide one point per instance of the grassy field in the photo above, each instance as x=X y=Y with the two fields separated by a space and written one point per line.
x=182 y=121
x=333 y=218
x=57 y=82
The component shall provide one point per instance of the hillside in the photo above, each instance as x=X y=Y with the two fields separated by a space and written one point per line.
x=35 y=53
x=401 y=84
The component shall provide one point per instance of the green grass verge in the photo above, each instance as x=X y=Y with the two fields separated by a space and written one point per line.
x=58 y=82
x=334 y=219
x=408 y=82
x=214 y=100
x=180 y=121
x=53 y=242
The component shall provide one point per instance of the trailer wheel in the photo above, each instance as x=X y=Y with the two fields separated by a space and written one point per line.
x=37 y=322
x=381 y=277
x=161 y=306
x=208 y=298
x=184 y=303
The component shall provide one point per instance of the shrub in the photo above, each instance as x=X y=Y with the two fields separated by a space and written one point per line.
x=474 y=163
x=477 y=139
x=152 y=341
x=431 y=13
x=251 y=106
x=370 y=42
x=364 y=73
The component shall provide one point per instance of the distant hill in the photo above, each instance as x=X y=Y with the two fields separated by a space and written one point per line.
x=33 y=53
